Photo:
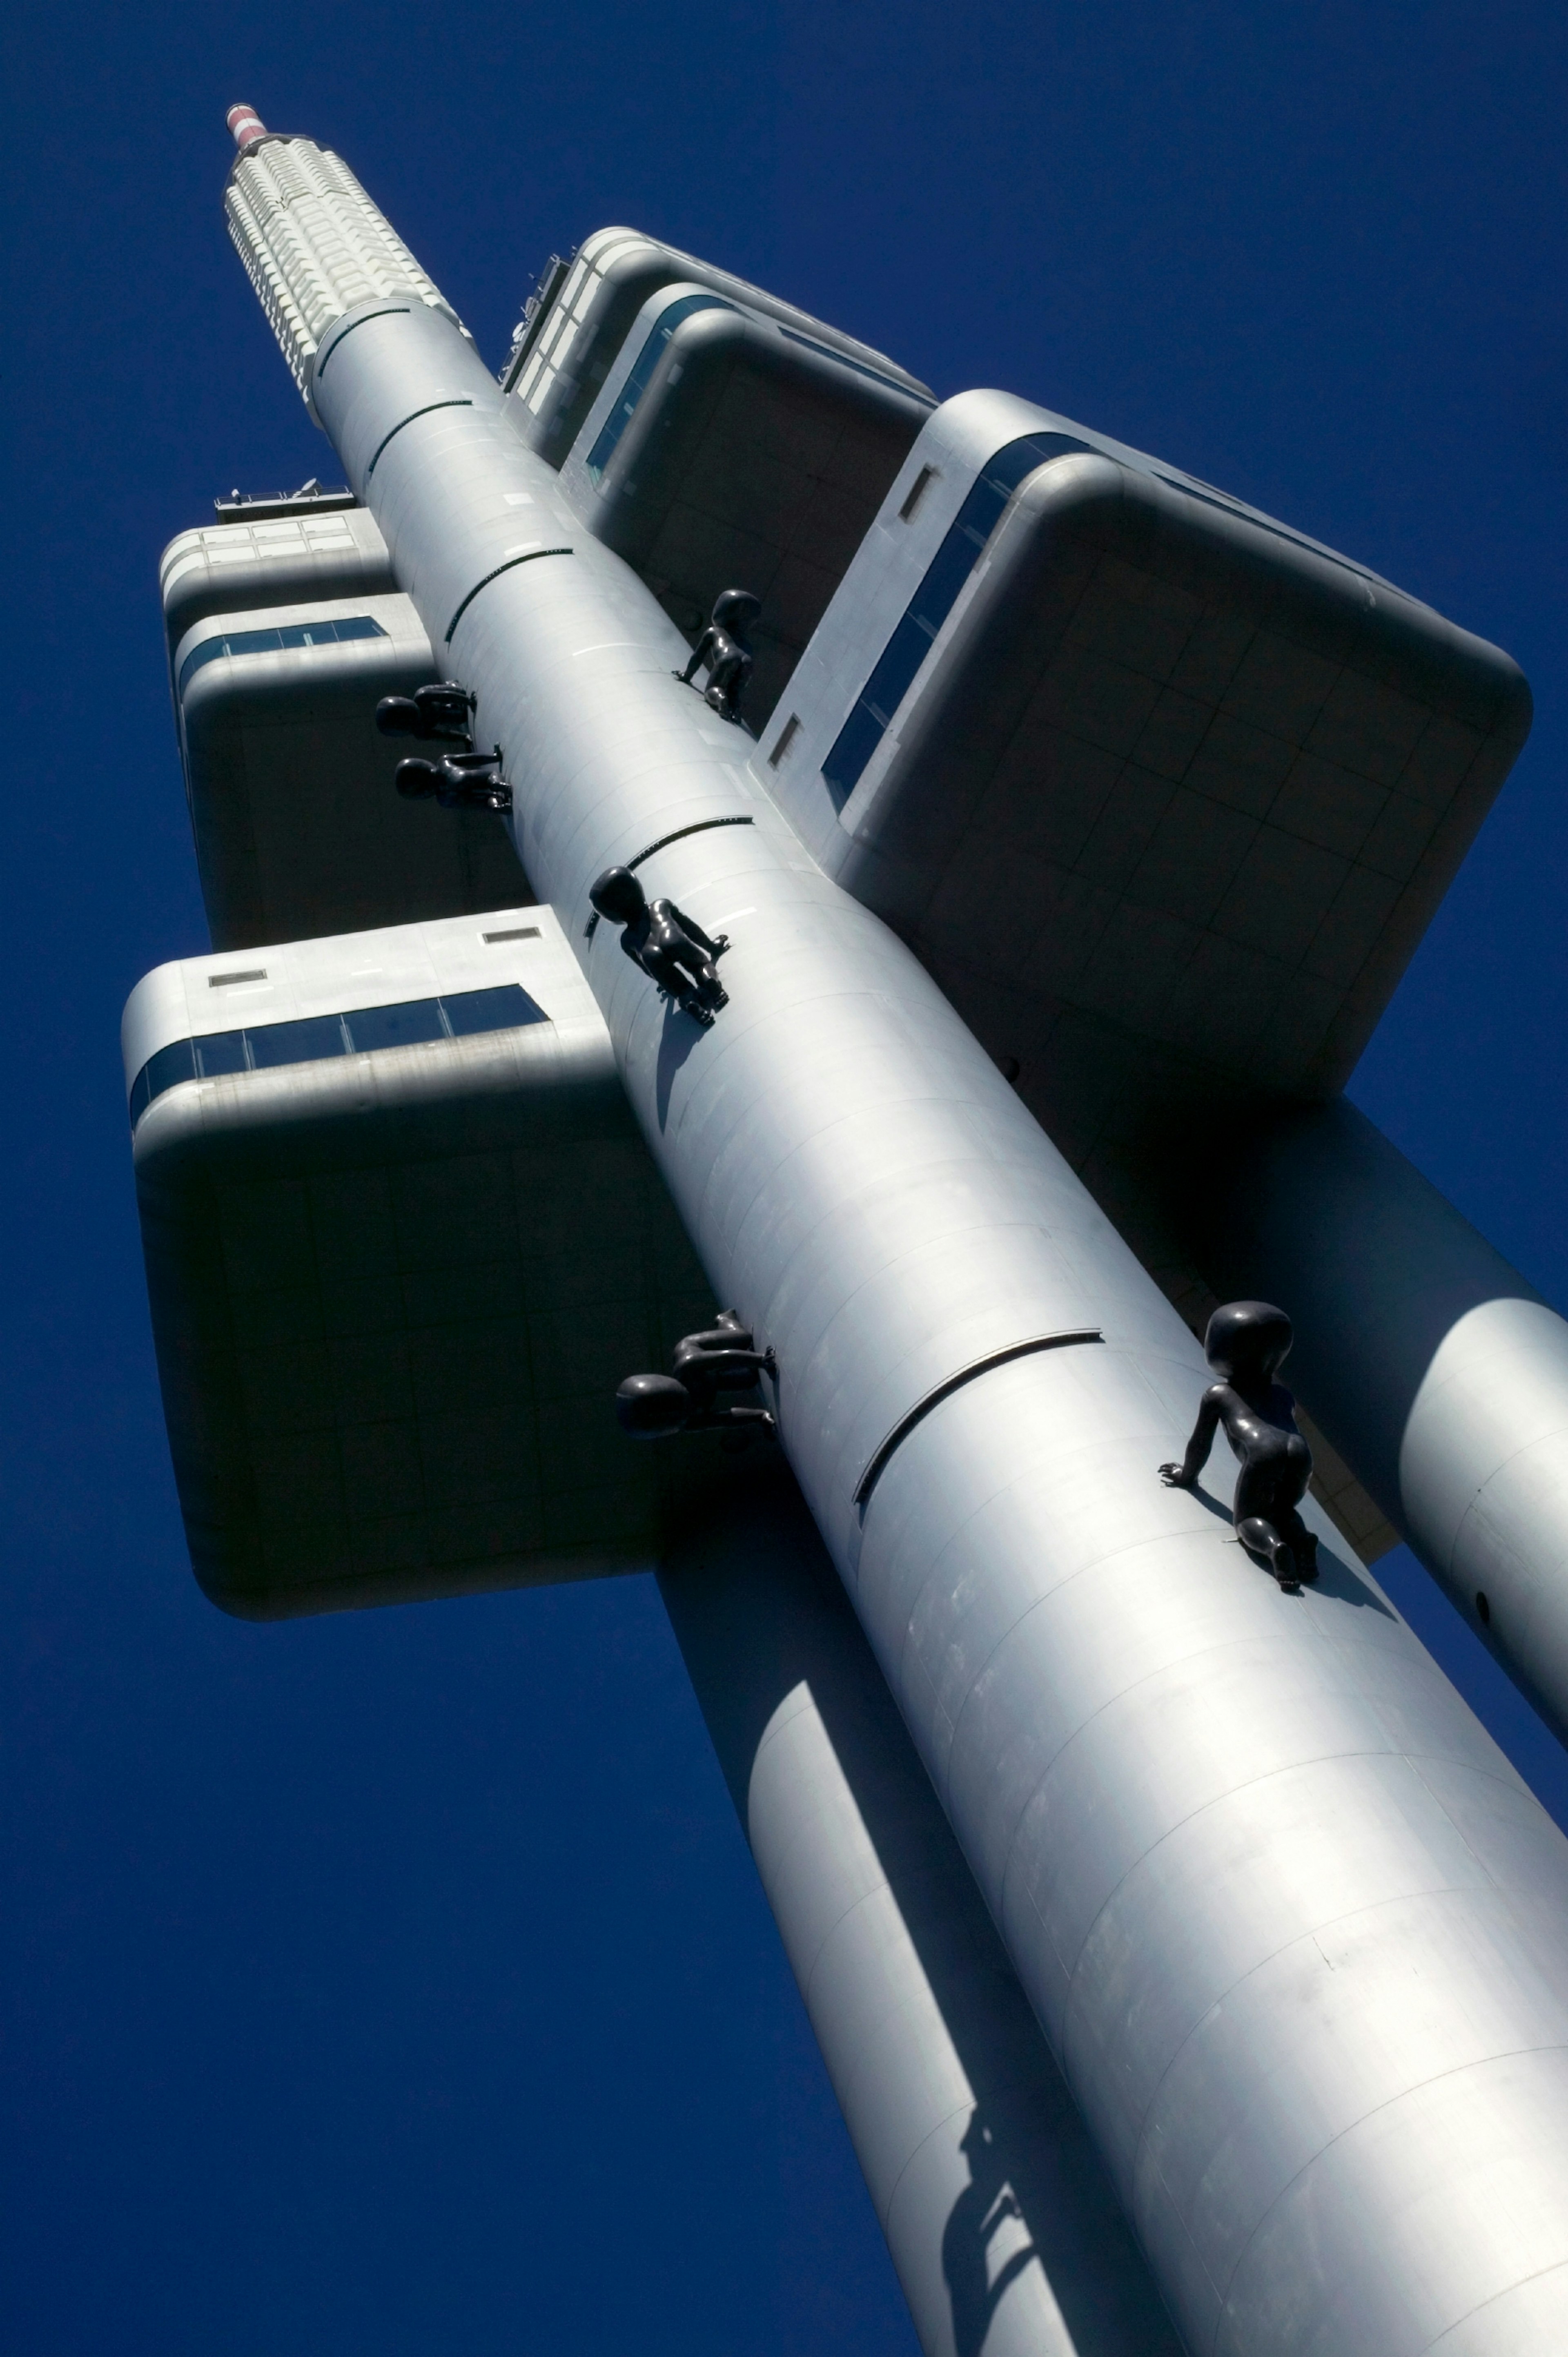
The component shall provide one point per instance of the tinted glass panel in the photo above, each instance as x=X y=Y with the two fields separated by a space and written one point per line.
x=272 y=643
x=637 y=384
x=931 y=604
x=303 y=1042
x=396 y=1026
x=857 y=740
x=164 y=1070
x=506 y=1009
x=219 y=1052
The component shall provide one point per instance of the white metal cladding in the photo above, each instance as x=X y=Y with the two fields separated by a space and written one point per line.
x=1299 y=1934
x=1483 y=1477
x=313 y=244
x=217 y=569
x=284 y=980
x=1439 y=1369
x=397 y=1263
x=587 y=323
x=573 y=467
x=397 y=626
x=298 y=831
x=924 y=500
x=1001 y=2221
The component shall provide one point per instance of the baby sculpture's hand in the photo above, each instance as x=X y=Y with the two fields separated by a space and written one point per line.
x=1175 y=1477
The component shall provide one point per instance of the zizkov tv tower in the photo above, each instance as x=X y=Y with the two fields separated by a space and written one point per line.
x=760 y=912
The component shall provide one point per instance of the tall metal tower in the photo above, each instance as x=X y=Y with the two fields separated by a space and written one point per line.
x=1011 y=878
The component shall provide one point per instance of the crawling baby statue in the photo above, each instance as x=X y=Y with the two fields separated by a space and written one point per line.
x=724 y=651
x=671 y=947
x=1245 y=1345
x=722 y=1358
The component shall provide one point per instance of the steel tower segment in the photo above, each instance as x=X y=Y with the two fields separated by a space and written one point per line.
x=324 y=1206
x=999 y=2219
x=311 y=240
x=1297 y=1932
x=1437 y=1368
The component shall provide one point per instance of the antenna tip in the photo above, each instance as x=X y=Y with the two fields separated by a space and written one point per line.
x=246 y=125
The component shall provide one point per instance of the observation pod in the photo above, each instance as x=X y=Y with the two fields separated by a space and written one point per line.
x=1077 y=810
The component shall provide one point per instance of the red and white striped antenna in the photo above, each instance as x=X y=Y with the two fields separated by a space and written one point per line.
x=246 y=125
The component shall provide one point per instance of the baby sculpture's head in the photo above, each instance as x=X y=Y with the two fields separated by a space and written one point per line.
x=735 y=610
x=1247 y=1341
x=618 y=895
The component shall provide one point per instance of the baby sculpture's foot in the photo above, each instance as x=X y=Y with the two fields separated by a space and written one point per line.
x=1282 y=1563
x=1307 y=1568
x=698 y=1010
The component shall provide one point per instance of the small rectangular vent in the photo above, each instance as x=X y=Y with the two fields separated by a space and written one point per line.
x=252 y=973
x=513 y=933
x=787 y=736
x=917 y=493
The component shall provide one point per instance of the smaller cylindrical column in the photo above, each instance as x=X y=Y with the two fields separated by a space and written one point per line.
x=1436 y=1370
x=1003 y=2226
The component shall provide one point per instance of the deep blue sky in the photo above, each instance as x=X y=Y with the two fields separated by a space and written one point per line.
x=399 y=1983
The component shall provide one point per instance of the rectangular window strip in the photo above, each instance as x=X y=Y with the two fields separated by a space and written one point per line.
x=932 y=602
x=638 y=383
x=272 y=643
x=314 y=1038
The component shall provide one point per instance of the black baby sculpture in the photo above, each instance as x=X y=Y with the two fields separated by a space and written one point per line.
x=723 y=651
x=458 y=782
x=671 y=950
x=458 y=778
x=1245 y=1344
x=720 y=1358
x=439 y=711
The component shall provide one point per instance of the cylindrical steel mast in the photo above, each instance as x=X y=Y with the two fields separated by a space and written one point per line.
x=1001 y=2221
x=1297 y=1932
x=1437 y=1369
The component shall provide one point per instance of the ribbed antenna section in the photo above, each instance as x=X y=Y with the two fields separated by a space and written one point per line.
x=312 y=242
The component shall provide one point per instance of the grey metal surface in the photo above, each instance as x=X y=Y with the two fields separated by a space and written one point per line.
x=312 y=243
x=751 y=456
x=1164 y=809
x=1439 y=1371
x=1174 y=792
x=555 y=376
x=274 y=560
x=297 y=825
x=392 y=1293
x=1002 y=2225
x=1297 y=1932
